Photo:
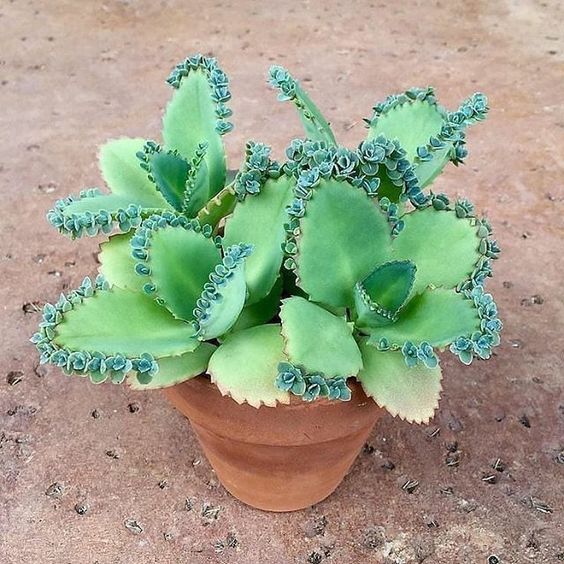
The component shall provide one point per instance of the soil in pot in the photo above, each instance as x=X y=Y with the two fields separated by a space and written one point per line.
x=277 y=459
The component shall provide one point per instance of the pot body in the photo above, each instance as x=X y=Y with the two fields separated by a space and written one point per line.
x=277 y=459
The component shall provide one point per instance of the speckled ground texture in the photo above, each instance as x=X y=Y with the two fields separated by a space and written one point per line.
x=73 y=74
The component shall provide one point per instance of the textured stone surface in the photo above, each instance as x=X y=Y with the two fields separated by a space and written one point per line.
x=86 y=477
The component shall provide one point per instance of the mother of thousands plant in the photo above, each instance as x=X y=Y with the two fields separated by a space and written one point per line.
x=287 y=278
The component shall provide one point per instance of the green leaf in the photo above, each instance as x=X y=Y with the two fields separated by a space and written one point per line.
x=223 y=297
x=190 y=118
x=437 y=316
x=444 y=248
x=316 y=126
x=428 y=170
x=196 y=192
x=245 y=366
x=260 y=312
x=412 y=123
x=121 y=321
x=120 y=169
x=410 y=393
x=318 y=340
x=117 y=265
x=259 y=220
x=220 y=206
x=380 y=296
x=344 y=227
x=177 y=369
x=180 y=261
x=93 y=212
x=170 y=172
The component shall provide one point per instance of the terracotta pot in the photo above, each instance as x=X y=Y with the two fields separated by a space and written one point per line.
x=277 y=459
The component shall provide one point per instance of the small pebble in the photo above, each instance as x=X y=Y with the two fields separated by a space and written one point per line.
x=133 y=526
x=14 y=377
x=524 y=420
x=134 y=407
x=81 y=508
x=55 y=490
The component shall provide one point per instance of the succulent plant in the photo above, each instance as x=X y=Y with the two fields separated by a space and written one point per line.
x=287 y=278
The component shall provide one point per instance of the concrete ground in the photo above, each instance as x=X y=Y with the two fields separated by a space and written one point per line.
x=105 y=475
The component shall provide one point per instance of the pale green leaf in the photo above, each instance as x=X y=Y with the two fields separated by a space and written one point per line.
x=121 y=170
x=410 y=393
x=222 y=313
x=180 y=262
x=443 y=247
x=344 y=236
x=190 y=118
x=177 y=369
x=437 y=316
x=245 y=366
x=318 y=340
x=259 y=221
x=260 y=312
x=121 y=321
x=117 y=265
x=412 y=124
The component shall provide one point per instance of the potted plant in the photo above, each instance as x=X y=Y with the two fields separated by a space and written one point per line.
x=283 y=308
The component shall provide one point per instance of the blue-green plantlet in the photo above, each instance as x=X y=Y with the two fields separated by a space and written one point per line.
x=287 y=278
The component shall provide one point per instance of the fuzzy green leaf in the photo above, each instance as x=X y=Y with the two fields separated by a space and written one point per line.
x=437 y=316
x=344 y=236
x=410 y=393
x=443 y=247
x=177 y=369
x=190 y=118
x=245 y=366
x=117 y=265
x=318 y=340
x=380 y=296
x=259 y=220
x=121 y=321
x=180 y=262
x=120 y=169
x=260 y=312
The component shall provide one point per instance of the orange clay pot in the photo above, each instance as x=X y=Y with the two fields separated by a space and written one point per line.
x=277 y=459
